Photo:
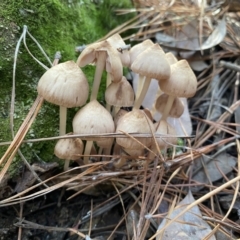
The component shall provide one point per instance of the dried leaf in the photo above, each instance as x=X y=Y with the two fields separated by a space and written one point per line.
x=188 y=38
x=189 y=226
x=223 y=163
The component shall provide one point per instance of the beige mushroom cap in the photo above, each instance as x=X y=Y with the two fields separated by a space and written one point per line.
x=182 y=82
x=117 y=42
x=171 y=58
x=139 y=48
x=152 y=63
x=64 y=84
x=113 y=62
x=176 y=109
x=69 y=149
x=165 y=129
x=120 y=94
x=135 y=121
x=93 y=118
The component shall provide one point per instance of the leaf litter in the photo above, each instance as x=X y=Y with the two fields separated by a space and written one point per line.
x=207 y=166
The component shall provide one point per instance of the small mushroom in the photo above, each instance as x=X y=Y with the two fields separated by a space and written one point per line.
x=93 y=118
x=177 y=107
x=135 y=121
x=120 y=94
x=182 y=83
x=69 y=148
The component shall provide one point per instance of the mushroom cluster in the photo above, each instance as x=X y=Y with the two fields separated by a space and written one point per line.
x=67 y=86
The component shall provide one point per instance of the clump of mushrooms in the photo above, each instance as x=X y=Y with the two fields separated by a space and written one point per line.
x=66 y=86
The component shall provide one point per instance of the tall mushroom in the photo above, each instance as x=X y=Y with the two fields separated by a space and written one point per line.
x=65 y=85
x=117 y=42
x=151 y=63
x=119 y=94
x=106 y=57
x=134 y=52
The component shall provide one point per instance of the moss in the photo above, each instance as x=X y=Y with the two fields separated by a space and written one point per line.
x=58 y=25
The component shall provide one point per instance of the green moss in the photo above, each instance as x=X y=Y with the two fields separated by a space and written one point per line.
x=58 y=25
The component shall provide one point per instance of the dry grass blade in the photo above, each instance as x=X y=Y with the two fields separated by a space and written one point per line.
x=17 y=141
x=27 y=224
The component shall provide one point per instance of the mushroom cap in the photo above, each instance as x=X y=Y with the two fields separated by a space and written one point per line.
x=117 y=42
x=120 y=94
x=176 y=109
x=152 y=63
x=166 y=129
x=64 y=84
x=93 y=118
x=171 y=58
x=182 y=82
x=88 y=55
x=69 y=148
x=135 y=121
x=113 y=62
x=139 y=48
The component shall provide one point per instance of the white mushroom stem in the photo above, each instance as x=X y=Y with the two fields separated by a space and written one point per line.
x=139 y=100
x=153 y=109
x=168 y=107
x=63 y=120
x=87 y=151
x=101 y=63
x=108 y=82
x=140 y=83
x=115 y=110
x=62 y=130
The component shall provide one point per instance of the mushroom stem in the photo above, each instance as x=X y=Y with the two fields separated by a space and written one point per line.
x=168 y=107
x=63 y=120
x=62 y=130
x=139 y=100
x=101 y=62
x=153 y=109
x=108 y=82
x=115 y=110
x=87 y=151
x=140 y=83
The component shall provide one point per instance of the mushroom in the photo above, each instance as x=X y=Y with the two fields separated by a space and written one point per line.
x=93 y=118
x=106 y=57
x=135 y=121
x=182 y=83
x=151 y=63
x=69 y=148
x=117 y=42
x=134 y=52
x=177 y=107
x=65 y=85
x=119 y=94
